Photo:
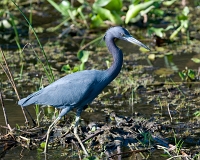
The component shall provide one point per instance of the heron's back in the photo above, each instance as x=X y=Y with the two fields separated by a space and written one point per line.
x=76 y=89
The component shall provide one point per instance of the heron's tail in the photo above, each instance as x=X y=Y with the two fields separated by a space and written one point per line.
x=31 y=99
x=23 y=102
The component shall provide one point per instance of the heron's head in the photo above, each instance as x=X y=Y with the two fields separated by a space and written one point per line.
x=121 y=33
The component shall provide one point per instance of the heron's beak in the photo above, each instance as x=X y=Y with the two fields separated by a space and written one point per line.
x=135 y=41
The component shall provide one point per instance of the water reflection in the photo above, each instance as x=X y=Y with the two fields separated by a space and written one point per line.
x=14 y=114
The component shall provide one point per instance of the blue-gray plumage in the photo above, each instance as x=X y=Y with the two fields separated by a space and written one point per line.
x=73 y=90
x=79 y=89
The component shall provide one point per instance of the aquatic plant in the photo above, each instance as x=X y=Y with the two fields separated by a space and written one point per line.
x=187 y=75
x=83 y=57
x=106 y=10
x=48 y=69
x=180 y=24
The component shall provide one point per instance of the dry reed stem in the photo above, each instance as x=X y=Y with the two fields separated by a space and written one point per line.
x=10 y=78
x=4 y=112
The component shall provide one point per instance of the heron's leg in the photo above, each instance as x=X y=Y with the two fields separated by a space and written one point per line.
x=72 y=124
x=49 y=131
x=76 y=135
x=62 y=113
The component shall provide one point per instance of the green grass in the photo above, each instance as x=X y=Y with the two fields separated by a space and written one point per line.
x=47 y=69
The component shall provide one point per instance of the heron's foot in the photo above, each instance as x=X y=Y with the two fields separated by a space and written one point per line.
x=27 y=123
x=72 y=125
x=68 y=130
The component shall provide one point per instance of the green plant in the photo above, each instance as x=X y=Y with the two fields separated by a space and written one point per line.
x=47 y=69
x=83 y=57
x=183 y=23
x=160 y=32
x=178 y=144
x=197 y=114
x=69 y=12
x=137 y=9
x=180 y=24
x=37 y=113
x=105 y=10
x=187 y=75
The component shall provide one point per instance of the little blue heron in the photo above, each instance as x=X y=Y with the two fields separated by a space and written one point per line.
x=79 y=89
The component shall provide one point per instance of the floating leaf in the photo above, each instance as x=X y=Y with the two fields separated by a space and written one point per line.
x=164 y=72
x=160 y=49
x=151 y=57
x=144 y=50
x=196 y=60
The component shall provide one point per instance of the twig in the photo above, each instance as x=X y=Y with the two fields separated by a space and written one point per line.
x=93 y=135
x=10 y=78
x=9 y=75
x=4 y=112
x=6 y=127
x=169 y=112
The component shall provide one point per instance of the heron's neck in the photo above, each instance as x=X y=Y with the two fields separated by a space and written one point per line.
x=117 y=54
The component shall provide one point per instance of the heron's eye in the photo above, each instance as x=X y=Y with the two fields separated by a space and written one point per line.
x=122 y=34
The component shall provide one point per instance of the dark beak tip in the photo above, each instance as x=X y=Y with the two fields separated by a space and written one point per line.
x=148 y=49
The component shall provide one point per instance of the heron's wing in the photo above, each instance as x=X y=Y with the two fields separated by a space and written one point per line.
x=71 y=90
